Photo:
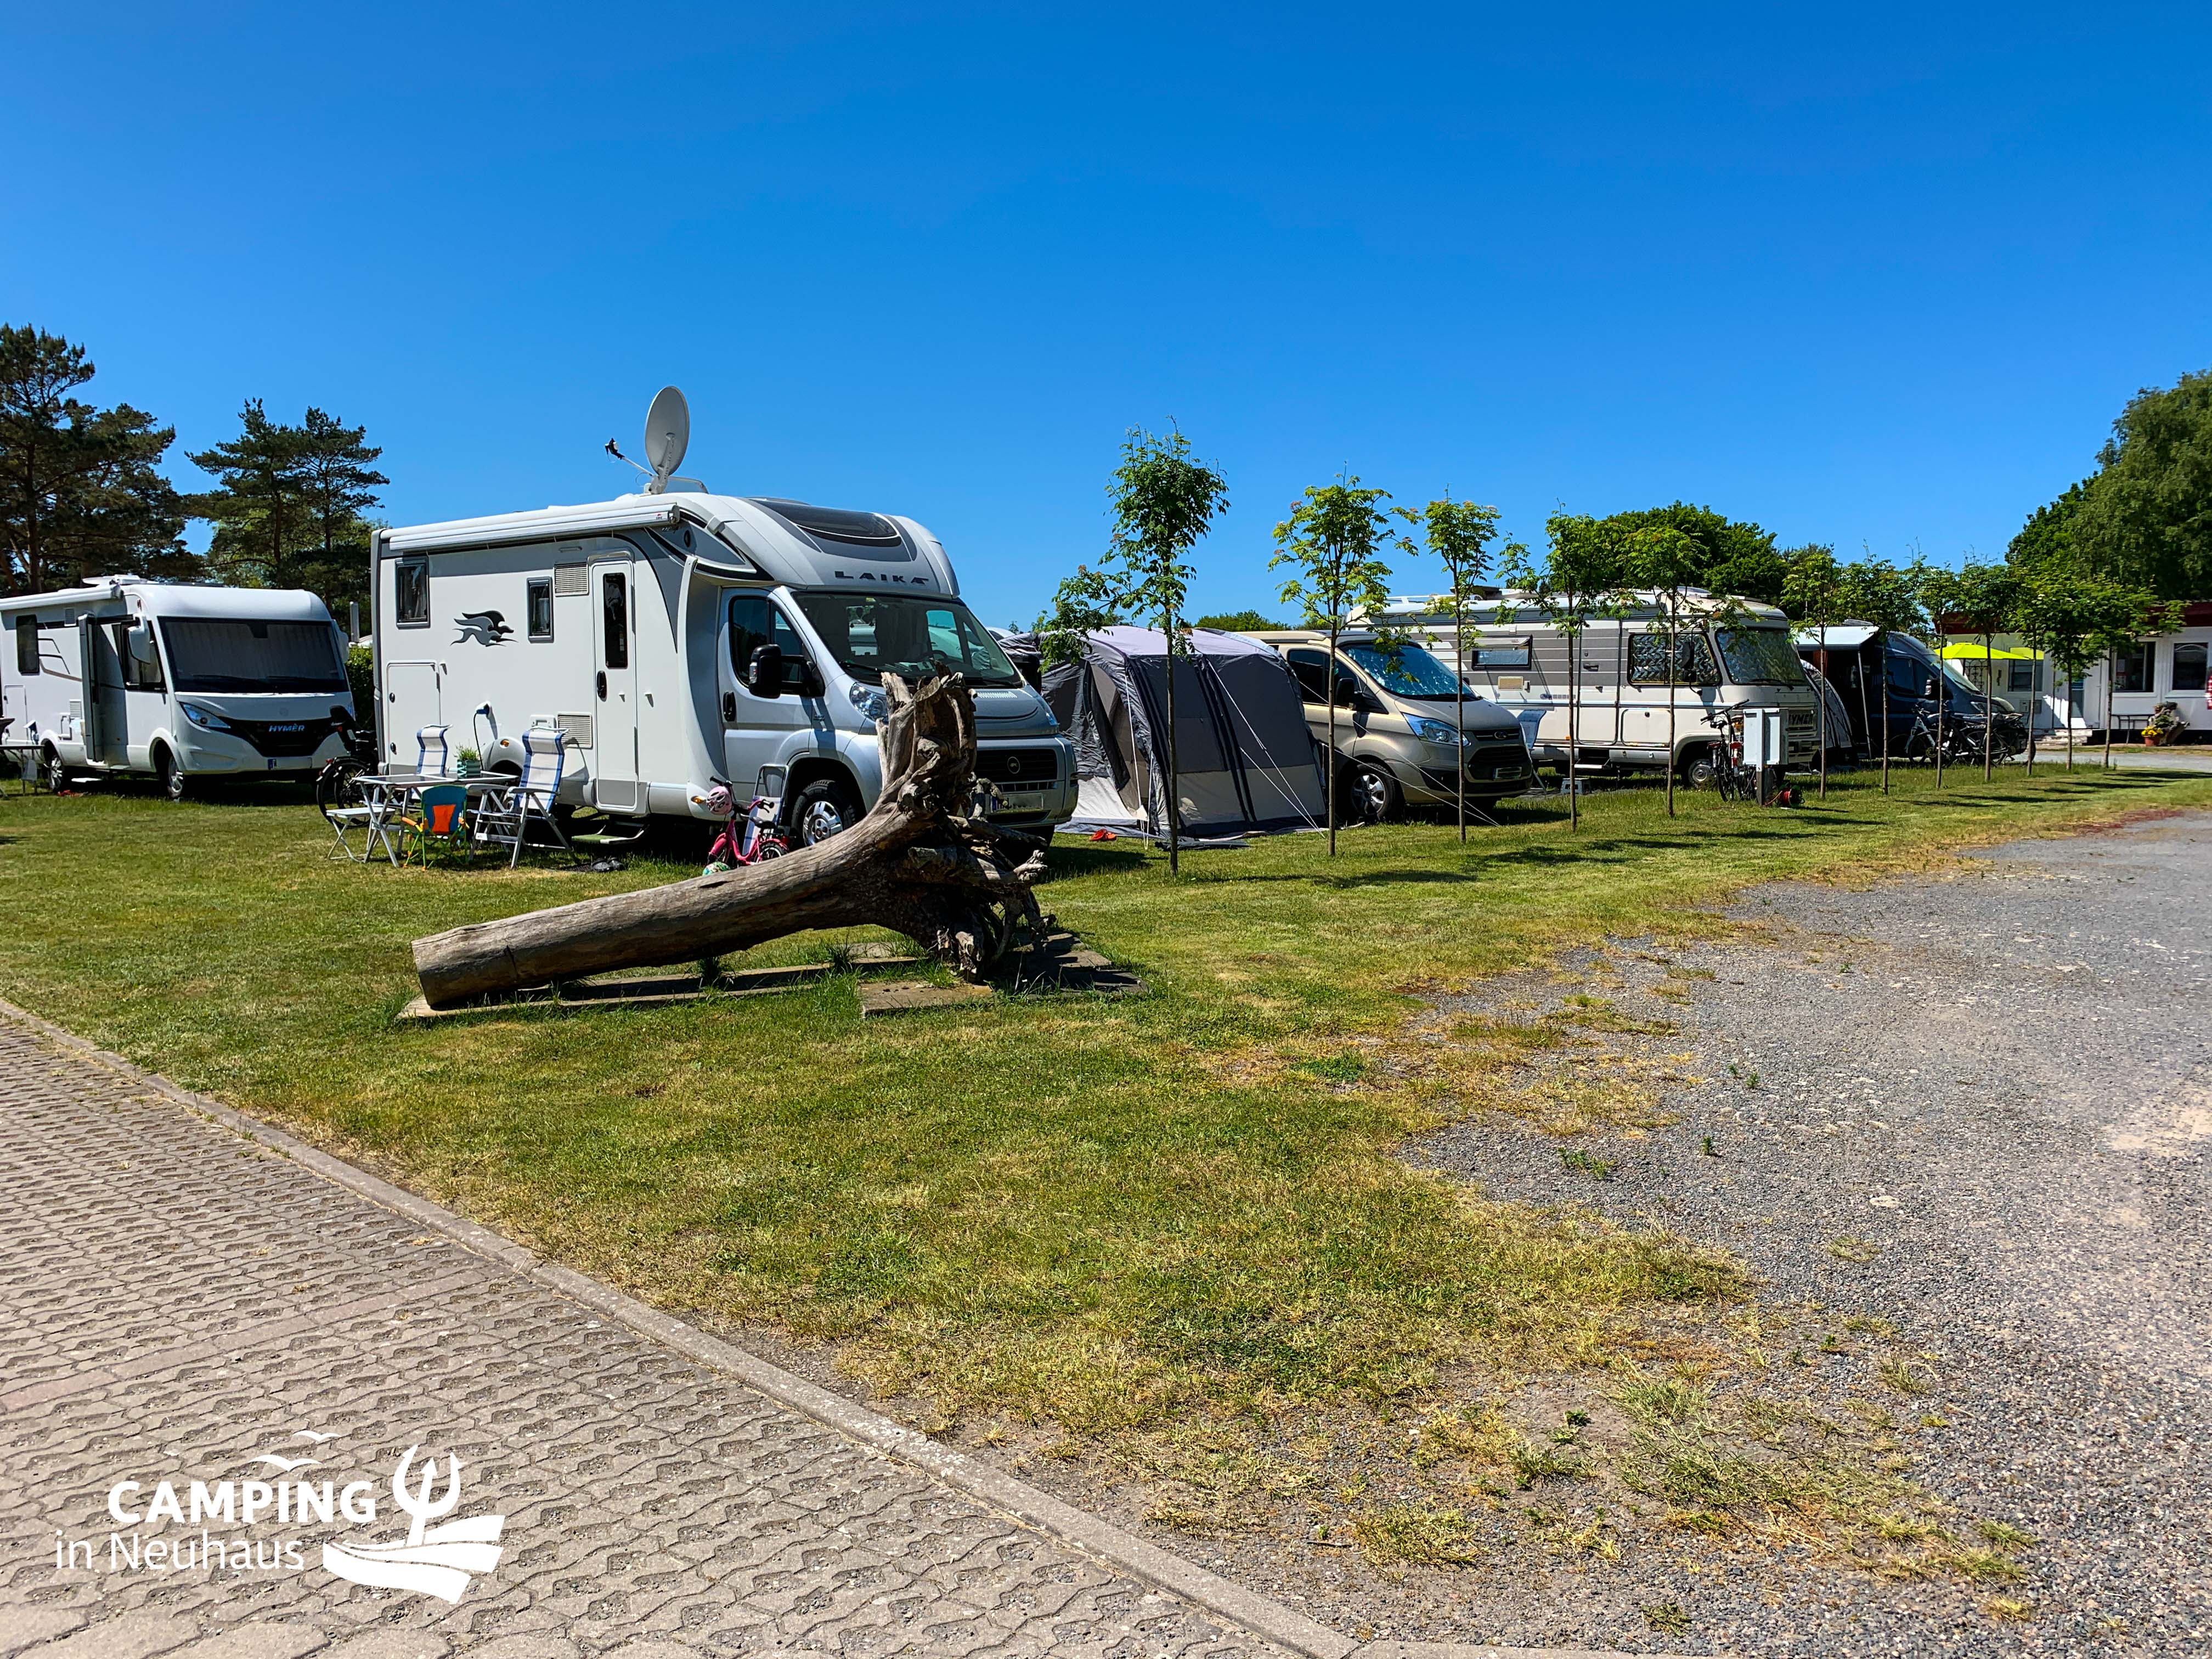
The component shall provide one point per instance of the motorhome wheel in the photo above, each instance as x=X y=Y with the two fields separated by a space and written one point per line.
x=824 y=808
x=51 y=771
x=1701 y=767
x=1374 y=793
x=169 y=776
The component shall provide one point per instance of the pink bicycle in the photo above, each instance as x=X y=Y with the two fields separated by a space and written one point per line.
x=750 y=837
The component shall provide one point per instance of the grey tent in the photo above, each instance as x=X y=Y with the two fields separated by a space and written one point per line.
x=1244 y=758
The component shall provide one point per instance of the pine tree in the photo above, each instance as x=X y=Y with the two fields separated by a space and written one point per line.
x=80 y=493
x=290 y=504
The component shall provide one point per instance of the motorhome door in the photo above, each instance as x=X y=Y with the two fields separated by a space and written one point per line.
x=106 y=719
x=756 y=730
x=616 y=786
x=414 y=698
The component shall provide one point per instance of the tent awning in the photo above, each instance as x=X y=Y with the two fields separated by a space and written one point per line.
x=1971 y=651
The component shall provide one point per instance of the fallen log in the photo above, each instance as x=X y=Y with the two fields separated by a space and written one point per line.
x=915 y=863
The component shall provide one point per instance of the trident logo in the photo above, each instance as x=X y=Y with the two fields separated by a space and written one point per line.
x=433 y=1560
x=420 y=1509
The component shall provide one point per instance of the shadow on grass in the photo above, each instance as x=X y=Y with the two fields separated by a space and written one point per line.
x=1087 y=859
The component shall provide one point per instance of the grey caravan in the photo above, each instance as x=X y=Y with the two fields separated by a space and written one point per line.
x=118 y=677
x=679 y=639
x=1728 y=654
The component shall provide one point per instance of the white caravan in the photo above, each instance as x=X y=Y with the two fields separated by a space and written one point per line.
x=684 y=638
x=118 y=676
x=1516 y=656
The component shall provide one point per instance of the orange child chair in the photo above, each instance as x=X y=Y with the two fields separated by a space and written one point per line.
x=441 y=821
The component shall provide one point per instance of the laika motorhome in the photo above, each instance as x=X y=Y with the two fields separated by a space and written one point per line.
x=679 y=638
x=1728 y=654
x=118 y=676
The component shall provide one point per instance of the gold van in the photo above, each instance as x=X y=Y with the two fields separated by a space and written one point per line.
x=1397 y=725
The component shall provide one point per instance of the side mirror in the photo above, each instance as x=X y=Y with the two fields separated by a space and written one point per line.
x=764 y=673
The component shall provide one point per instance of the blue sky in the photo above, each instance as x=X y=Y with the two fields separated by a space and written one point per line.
x=1870 y=275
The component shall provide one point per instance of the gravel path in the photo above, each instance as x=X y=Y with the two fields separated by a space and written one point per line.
x=2001 y=1081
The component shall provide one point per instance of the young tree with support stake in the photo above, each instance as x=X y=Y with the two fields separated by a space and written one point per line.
x=1878 y=593
x=1985 y=596
x=1666 y=560
x=1163 y=503
x=1813 y=587
x=1459 y=534
x=1580 y=582
x=2074 y=619
x=1334 y=538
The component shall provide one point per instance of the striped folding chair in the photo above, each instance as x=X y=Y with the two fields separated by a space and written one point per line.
x=433 y=759
x=505 y=819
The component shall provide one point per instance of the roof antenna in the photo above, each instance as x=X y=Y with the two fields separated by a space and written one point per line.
x=667 y=435
x=615 y=450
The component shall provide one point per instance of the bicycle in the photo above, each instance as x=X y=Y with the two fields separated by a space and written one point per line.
x=751 y=836
x=1735 y=780
x=1961 y=744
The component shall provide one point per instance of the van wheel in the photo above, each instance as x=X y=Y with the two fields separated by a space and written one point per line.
x=169 y=776
x=51 y=774
x=1373 y=794
x=1701 y=767
x=825 y=807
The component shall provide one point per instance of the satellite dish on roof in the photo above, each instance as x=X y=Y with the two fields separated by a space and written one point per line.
x=667 y=435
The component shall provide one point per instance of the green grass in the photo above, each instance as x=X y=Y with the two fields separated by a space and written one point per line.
x=1105 y=1214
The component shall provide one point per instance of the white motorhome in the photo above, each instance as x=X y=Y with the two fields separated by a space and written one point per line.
x=684 y=638
x=118 y=676
x=1729 y=655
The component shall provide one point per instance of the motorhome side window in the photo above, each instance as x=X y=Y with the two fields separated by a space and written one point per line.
x=1910 y=678
x=755 y=623
x=141 y=662
x=614 y=617
x=1693 y=660
x=1498 y=653
x=538 y=609
x=410 y=592
x=27 y=644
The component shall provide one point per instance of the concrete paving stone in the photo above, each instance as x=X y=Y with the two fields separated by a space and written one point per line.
x=652 y=1505
x=256 y=1641
x=134 y=1636
x=526 y=1645
x=23 y=1627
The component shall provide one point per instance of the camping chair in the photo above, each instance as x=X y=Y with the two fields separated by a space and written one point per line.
x=506 y=819
x=441 y=819
x=347 y=806
x=432 y=758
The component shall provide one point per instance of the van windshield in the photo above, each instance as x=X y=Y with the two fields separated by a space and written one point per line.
x=1761 y=656
x=909 y=635
x=1405 y=671
x=214 y=653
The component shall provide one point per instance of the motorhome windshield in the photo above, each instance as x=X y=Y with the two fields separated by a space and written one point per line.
x=1761 y=656
x=907 y=634
x=214 y=653
x=1405 y=671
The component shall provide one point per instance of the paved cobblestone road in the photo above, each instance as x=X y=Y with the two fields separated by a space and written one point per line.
x=176 y=1302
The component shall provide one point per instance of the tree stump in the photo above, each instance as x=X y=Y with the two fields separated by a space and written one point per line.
x=916 y=863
